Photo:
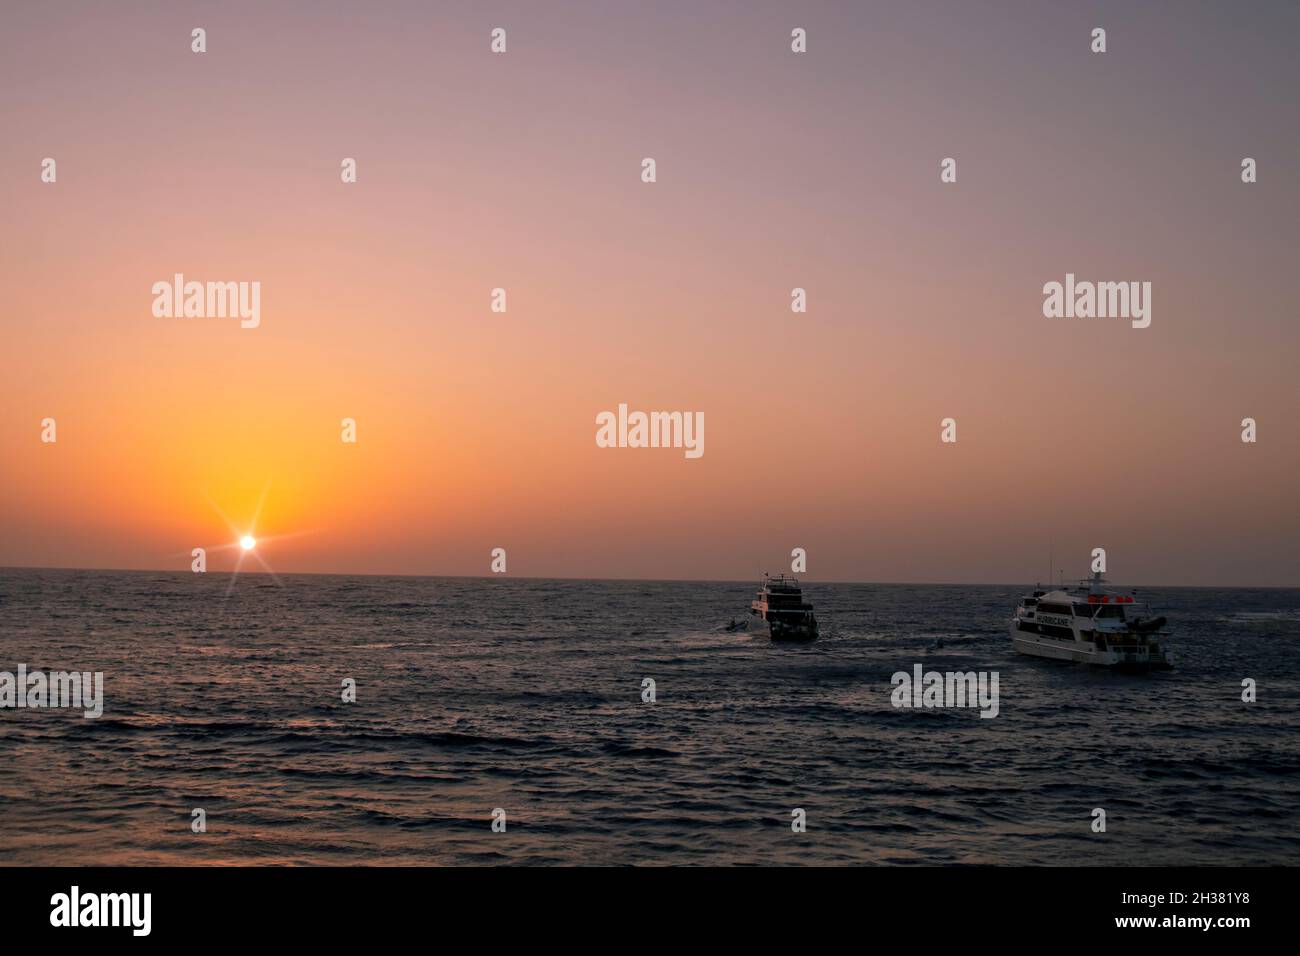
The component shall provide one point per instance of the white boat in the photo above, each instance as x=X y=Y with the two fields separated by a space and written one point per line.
x=1091 y=625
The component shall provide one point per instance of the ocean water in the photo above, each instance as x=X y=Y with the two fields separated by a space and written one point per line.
x=474 y=694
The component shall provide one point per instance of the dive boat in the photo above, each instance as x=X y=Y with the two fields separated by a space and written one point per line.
x=781 y=606
x=1091 y=625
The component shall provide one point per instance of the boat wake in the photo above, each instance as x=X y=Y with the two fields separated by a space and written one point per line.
x=716 y=637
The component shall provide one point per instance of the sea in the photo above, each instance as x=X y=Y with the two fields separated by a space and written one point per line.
x=525 y=703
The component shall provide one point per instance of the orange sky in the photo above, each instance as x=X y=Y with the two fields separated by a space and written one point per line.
x=476 y=430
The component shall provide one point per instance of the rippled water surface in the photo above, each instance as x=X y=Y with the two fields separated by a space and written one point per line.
x=526 y=695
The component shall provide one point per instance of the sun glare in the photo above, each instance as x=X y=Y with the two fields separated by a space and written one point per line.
x=247 y=542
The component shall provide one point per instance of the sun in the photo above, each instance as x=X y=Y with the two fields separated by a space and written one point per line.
x=247 y=542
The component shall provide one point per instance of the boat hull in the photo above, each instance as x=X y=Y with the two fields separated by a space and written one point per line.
x=791 y=635
x=781 y=631
x=1085 y=652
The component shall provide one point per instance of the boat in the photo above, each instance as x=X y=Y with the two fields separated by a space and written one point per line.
x=1091 y=625
x=780 y=605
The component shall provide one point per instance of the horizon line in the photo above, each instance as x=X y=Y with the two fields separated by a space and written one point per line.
x=527 y=577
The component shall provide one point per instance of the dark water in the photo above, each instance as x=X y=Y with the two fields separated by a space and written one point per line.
x=526 y=695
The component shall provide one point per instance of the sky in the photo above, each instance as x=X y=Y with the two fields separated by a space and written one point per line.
x=775 y=170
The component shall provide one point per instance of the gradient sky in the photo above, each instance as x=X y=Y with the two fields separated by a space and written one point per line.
x=776 y=170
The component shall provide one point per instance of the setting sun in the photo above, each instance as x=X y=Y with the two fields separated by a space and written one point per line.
x=247 y=542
